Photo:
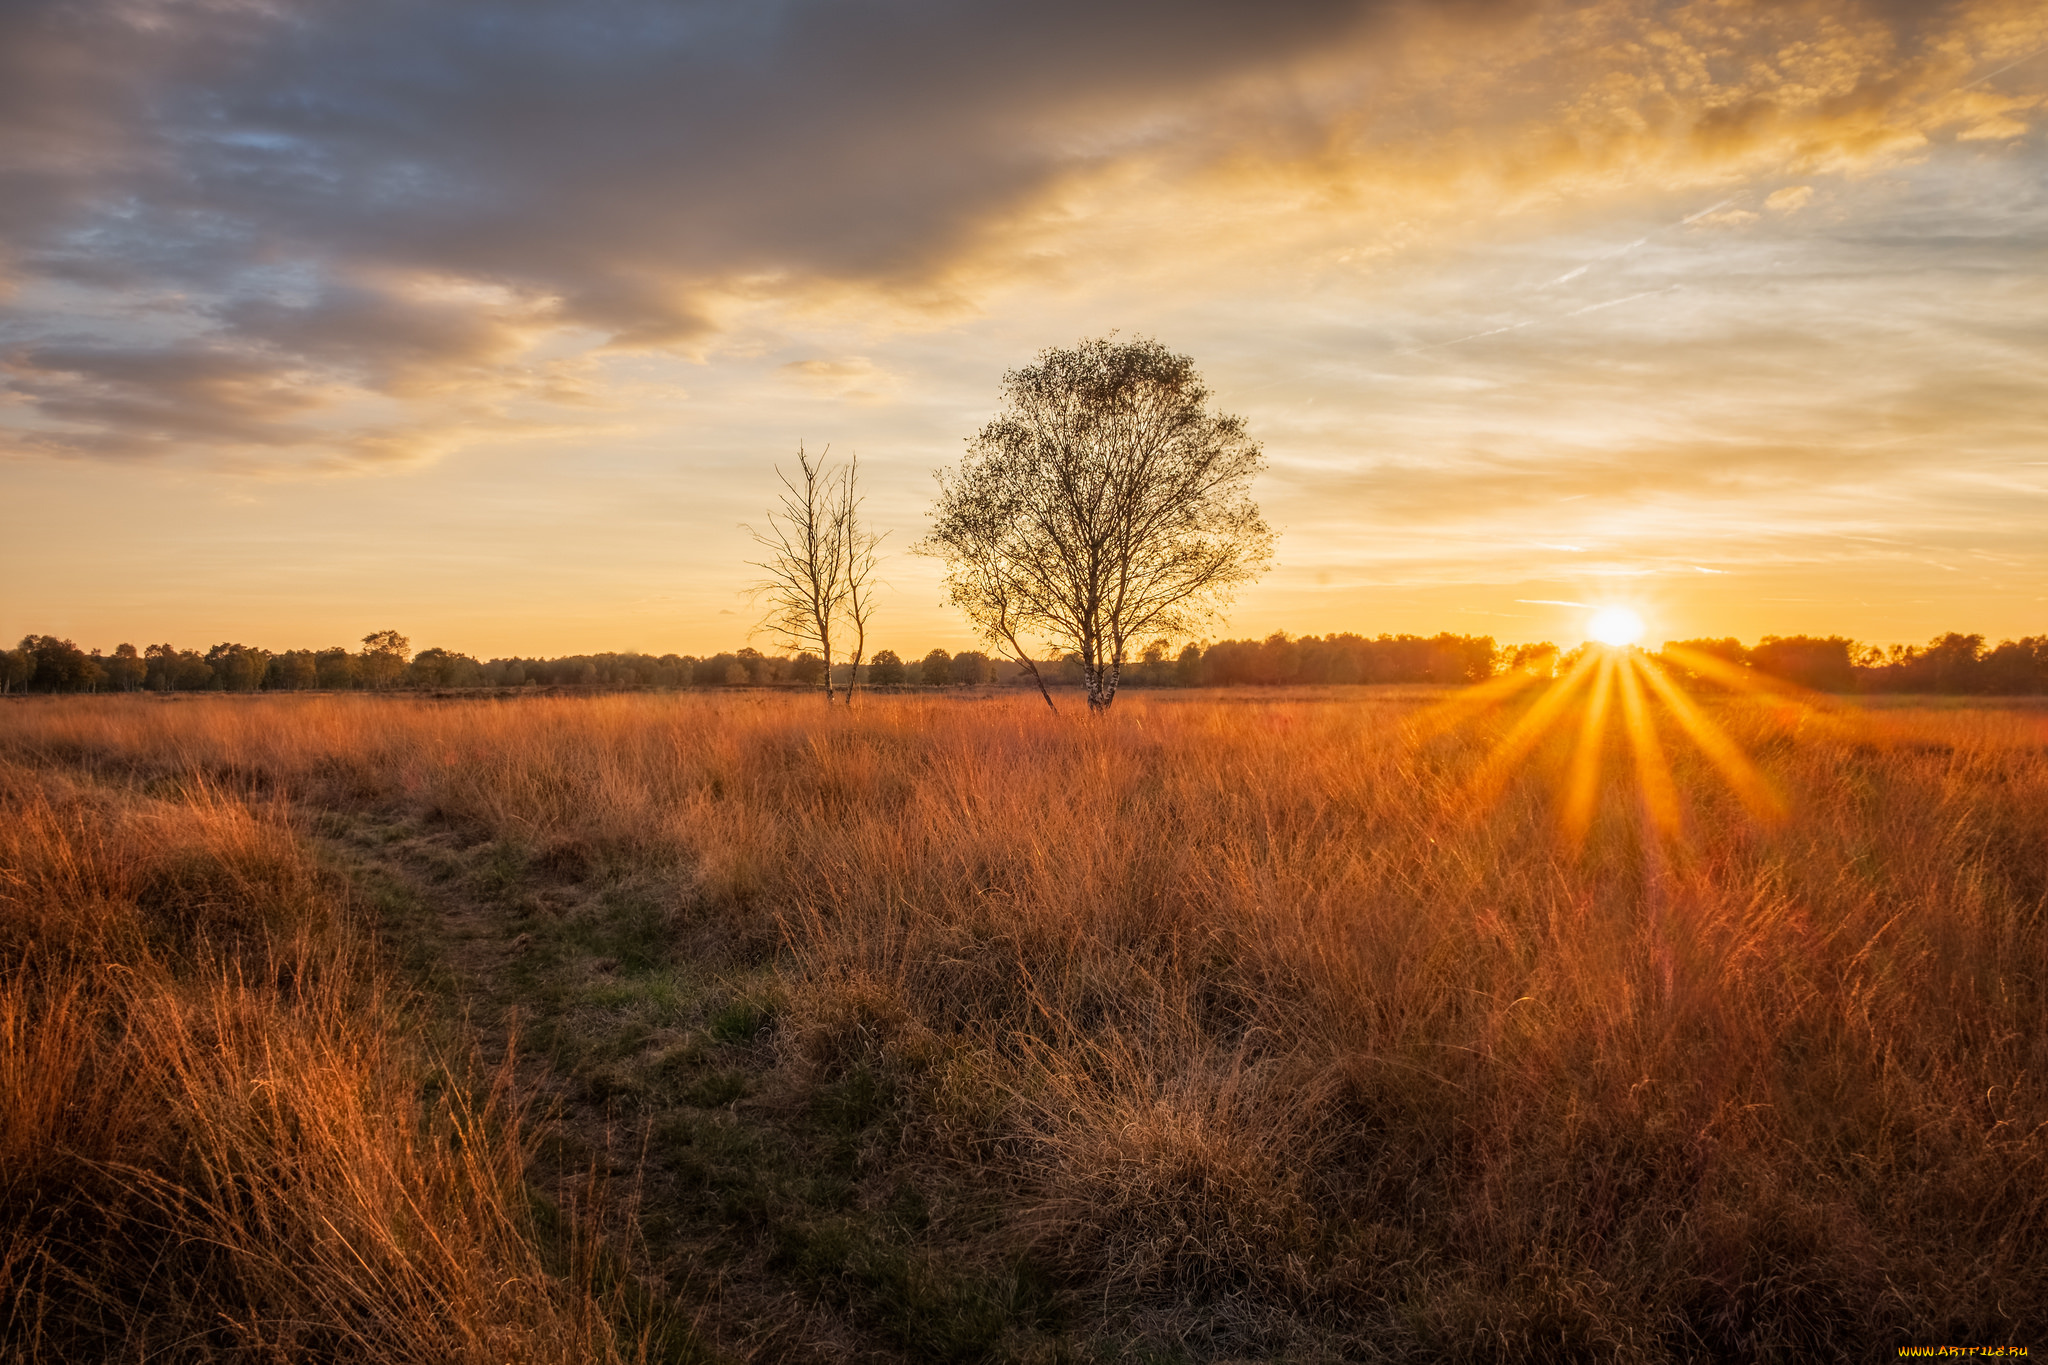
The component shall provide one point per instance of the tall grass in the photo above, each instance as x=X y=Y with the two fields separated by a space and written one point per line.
x=217 y=1139
x=1258 y=1025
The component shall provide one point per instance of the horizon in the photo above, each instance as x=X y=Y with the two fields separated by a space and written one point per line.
x=1640 y=643
x=499 y=324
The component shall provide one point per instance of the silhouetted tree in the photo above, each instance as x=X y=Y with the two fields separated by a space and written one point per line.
x=238 y=668
x=886 y=669
x=17 y=666
x=1153 y=668
x=863 y=559
x=2017 y=666
x=126 y=670
x=1540 y=660
x=57 y=665
x=1954 y=663
x=444 y=668
x=293 y=671
x=169 y=669
x=1105 y=503
x=1822 y=664
x=936 y=669
x=339 y=668
x=383 y=658
x=718 y=671
x=808 y=564
x=820 y=566
x=971 y=668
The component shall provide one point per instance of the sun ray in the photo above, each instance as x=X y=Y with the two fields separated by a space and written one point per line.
x=1797 y=706
x=1725 y=673
x=1745 y=680
x=1750 y=786
x=1653 y=769
x=1463 y=704
x=1642 y=683
x=1583 y=789
x=1523 y=735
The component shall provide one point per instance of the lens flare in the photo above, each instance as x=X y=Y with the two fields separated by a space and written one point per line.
x=1653 y=707
x=1616 y=626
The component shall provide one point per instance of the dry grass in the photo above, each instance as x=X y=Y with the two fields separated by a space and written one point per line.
x=217 y=1141
x=1256 y=1026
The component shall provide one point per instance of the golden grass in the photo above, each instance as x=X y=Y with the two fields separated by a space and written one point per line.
x=1254 y=1016
x=217 y=1140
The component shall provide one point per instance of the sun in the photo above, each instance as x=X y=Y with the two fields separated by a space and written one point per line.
x=1653 y=708
x=1616 y=626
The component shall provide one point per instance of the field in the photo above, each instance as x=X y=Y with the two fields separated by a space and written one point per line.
x=1226 y=1027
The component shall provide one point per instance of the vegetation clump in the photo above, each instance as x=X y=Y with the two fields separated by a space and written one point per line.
x=220 y=1136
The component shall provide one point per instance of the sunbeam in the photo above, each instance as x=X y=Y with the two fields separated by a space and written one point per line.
x=1653 y=771
x=1608 y=678
x=1583 y=789
x=1756 y=793
x=1525 y=734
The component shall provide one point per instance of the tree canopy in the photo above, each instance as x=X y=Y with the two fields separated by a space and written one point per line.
x=1104 y=505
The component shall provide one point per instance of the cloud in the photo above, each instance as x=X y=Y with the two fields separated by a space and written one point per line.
x=330 y=222
x=1993 y=128
x=131 y=400
x=855 y=378
x=1726 y=218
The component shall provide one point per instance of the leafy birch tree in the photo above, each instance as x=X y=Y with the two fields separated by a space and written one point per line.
x=1105 y=504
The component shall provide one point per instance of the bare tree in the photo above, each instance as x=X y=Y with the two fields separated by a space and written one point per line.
x=821 y=563
x=806 y=584
x=1103 y=505
x=863 y=554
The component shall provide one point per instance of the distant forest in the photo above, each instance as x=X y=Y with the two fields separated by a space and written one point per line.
x=1952 y=663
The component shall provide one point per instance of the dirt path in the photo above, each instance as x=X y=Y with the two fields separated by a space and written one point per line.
x=761 y=1211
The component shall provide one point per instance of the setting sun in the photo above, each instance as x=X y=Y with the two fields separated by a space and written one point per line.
x=1616 y=626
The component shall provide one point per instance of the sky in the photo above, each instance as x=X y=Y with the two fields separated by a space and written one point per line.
x=491 y=322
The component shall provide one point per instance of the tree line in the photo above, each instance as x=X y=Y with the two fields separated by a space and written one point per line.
x=1953 y=664
x=48 y=663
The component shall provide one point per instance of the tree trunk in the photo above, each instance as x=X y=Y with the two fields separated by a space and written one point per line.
x=860 y=649
x=1039 y=678
x=1102 y=680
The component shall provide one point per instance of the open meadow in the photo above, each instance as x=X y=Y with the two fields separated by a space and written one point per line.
x=1247 y=1026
